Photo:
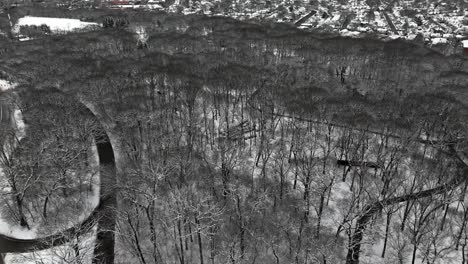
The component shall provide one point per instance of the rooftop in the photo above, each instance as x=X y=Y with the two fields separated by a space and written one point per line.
x=465 y=43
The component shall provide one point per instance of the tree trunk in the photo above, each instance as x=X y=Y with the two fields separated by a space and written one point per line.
x=200 y=246
x=462 y=229
x=19 y=203
x=44 y=208
x=295 y=178
x=274 y=254
x=444 y=218
x=153 y=238
x=387 y=229
x=322 y=200
x=136 y=239
x=408 y=206
x=225 y=177
x=76 y=249
x=186 y=237
x=181 y=243
x=212 y=246
x=463 y=251
x=242 y=229
x=415 y=248
x=176 y=246
x=281 y=182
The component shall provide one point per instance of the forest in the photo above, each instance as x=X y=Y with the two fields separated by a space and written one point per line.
x=212 y=140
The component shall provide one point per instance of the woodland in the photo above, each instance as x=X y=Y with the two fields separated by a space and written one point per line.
x=219 y=141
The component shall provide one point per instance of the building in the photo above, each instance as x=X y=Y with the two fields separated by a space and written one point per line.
x=465 y=47
x=120 y=4
x=5 y=113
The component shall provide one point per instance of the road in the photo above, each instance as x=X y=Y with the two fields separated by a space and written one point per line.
x=305 y=18
x=103 y=215
x=390 y=23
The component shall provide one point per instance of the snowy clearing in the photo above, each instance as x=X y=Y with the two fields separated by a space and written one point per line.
x=16 y=231
x=56 y=25
x=6 y=85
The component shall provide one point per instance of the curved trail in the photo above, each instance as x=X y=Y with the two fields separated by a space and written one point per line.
x=103 y=215
x=372 y=209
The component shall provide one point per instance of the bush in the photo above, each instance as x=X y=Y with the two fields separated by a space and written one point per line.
x=35 y=31
x=115 y=22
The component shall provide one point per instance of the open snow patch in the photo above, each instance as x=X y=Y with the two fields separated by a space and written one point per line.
x=6 y=85
x=439 y=41
x=16 y=231
x=56 y=25
x=465 y=43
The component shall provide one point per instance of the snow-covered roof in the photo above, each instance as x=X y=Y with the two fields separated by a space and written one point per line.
x=465 y=43
x=55 y=24
x=439 y=40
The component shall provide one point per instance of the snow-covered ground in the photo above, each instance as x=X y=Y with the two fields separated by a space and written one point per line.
x=57 y=255
x=340 y=208
x=56 y=25
x=5 y=228
x=141 y=34
x=62 y=254
x=92 y=200
x=17 y=115
x=16 y=231
x=465 y=43
x=6 y=85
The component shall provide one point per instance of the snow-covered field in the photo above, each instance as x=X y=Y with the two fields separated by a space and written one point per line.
x=6 y=85
x=56 y=25
x=16 y=231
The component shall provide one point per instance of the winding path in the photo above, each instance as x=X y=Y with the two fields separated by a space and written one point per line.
x=372 y=209
x=104 y=215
